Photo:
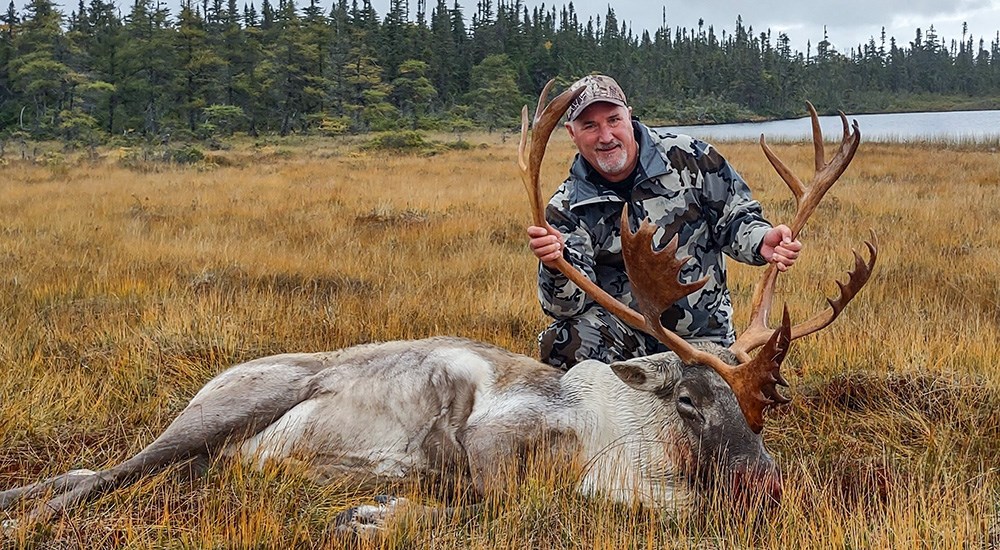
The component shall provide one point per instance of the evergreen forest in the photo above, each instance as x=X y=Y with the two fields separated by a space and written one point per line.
x=218 y=67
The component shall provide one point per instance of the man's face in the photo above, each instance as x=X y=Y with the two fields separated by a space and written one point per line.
x=603 y=135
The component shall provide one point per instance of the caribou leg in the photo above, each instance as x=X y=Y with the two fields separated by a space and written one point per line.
x=495 y=452
x=55 y=484
x=487 y=455
x=236 y=404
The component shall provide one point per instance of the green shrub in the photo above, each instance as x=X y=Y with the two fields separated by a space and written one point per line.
x=460 y=145
x=148 y=158
x=333 y=126
x=408 y=140
x=222 y=118
x=187 y=154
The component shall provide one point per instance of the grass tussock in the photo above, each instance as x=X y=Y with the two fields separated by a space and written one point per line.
x=124 y=290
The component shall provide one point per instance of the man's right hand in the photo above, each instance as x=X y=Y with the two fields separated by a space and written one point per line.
x=546 y=244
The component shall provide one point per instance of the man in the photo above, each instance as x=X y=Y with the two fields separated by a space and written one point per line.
x=682 y=185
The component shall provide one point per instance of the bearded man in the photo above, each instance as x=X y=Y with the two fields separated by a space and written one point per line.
x=681 y=184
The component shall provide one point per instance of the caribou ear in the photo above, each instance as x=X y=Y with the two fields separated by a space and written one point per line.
x=647 y=373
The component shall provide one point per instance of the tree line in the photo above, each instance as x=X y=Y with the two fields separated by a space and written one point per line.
x=218 y=67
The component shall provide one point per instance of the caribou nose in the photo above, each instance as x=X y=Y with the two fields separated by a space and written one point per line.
x=756 y=484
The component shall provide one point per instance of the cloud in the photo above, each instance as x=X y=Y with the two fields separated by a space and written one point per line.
x=848 y=23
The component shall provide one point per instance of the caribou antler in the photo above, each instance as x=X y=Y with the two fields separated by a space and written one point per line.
x=655 y=285
x=546 y=119
x=806 y=199
x=754 y=381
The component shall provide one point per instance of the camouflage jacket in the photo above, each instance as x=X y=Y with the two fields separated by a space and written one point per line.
x=683 y=185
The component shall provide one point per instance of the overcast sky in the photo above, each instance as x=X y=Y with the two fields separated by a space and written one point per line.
x=848 y=23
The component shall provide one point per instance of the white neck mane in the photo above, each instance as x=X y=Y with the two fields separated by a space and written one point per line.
x=613 y=420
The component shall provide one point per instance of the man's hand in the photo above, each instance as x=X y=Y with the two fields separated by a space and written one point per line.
x=546 y=244
x=779 y=249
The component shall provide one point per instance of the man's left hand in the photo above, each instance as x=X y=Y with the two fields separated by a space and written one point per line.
x=779 y=248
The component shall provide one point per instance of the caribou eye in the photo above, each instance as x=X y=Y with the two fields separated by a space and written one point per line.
x=687 y=409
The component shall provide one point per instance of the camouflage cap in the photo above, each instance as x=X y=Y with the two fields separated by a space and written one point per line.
x=598 y=88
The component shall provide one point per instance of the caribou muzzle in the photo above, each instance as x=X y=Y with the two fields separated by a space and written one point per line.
x=757 y=483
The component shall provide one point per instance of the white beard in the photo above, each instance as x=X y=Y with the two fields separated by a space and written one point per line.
x=612 y=164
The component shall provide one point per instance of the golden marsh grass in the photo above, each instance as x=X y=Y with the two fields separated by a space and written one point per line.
x=124 y=290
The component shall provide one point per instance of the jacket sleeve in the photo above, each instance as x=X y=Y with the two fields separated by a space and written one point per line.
x=738 y=223
x=560 y=298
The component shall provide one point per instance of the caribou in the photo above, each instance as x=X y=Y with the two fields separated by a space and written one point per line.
x=652 y=431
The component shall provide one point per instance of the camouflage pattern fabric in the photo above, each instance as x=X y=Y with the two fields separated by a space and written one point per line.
x=594 y=334
x=684 y=186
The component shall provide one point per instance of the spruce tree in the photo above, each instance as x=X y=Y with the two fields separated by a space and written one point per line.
x=412 y=91
x=41 y=78
x=197 y=78
x=9 y=21
x=147 y=87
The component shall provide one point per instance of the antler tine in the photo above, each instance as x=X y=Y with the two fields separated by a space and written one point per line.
x=655 y=285
x=530 y=182
x=755 y=382
x=786 y=175
x=807 y=198
x=540 y=108
x=819 y=154
x=545 y=121
x=654 y=278
x=856 y=279
x=522 y=161
x=827 y=173
x=757 y=332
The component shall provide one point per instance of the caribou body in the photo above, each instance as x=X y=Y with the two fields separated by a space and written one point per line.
x=646 y=431
x=650 y=431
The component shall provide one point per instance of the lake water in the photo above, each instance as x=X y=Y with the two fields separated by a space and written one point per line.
x=956 y=126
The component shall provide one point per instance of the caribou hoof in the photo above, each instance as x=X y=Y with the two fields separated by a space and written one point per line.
x=367 y=519
x=8 y=527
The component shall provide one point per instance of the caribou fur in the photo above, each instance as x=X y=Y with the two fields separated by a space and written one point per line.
x=646 y=430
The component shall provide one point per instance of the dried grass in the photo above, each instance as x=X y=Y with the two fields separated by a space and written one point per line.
x=123 y=291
